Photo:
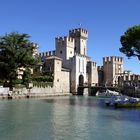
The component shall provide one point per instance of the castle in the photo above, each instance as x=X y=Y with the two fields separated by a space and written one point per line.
x=72 y=67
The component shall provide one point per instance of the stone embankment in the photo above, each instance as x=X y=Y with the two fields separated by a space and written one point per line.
x=34 y=92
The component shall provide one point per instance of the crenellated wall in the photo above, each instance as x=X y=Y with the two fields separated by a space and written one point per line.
x=64 y=47
x=92 y=73
x=47 y=54
x=112 y=59
x=112 y=67
x=80 y=32
x=80 y=35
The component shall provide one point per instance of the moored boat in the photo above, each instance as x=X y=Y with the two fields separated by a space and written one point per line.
x=123 y=102
x=127 y=105
x=107 y=93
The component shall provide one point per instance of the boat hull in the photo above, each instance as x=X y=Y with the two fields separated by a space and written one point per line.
x=127 y=105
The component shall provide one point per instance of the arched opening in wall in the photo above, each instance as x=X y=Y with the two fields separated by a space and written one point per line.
x=120 y=80
x=81 y=80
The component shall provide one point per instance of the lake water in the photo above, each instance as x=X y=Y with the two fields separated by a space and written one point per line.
x=67 y=118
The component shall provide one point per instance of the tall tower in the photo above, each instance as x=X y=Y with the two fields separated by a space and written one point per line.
x=64 y=47
x=80 y=35
x=112 y=68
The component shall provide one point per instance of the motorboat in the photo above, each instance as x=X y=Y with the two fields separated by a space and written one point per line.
x=123 y=101
x=107 y=93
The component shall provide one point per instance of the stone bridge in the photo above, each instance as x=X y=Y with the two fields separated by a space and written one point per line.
x=91 y=90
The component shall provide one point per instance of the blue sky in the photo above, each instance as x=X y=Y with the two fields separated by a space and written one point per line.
x=43 y=20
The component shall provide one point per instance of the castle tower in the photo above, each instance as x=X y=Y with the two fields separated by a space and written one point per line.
x=78 y=72
x=92 y=73
x=61 y=82
x=80 y=35
x=112 y=67
x=64 y=47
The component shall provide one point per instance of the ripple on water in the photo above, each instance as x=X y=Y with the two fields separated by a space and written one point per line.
x=67 y=118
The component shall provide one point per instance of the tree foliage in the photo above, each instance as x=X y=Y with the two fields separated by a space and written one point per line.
x=131 y=42
x=46 y=78
x=26 y=77
x=15 y=52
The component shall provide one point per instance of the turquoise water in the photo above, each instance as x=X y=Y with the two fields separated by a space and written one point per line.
x=67 y=118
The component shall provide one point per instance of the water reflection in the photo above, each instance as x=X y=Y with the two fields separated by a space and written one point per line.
x=70 y=118
x=77 y=101
x=70 y=123
x=84 y=116
x=130 y=114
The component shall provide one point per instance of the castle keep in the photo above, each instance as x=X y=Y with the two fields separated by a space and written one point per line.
x=72 y=67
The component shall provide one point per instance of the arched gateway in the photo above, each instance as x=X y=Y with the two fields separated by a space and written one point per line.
x=81 y=80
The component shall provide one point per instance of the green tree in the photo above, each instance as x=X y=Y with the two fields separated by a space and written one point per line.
x=15 y=52
x=26 y=77
x=131 y=42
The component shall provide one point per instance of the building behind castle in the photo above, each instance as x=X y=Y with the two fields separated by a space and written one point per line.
x=72 y=67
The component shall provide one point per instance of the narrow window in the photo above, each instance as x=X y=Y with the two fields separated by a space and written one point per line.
x=83 y=66
x=79 y=65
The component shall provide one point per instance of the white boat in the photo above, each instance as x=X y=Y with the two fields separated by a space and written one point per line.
x=123 y=101
x=107 y=93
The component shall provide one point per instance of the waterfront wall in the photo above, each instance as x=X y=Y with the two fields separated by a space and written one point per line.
x=49 y=91
x=33 y=92
x=4 y=91
x=40 y=91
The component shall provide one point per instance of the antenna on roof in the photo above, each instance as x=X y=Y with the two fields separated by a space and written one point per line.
x=80 y=25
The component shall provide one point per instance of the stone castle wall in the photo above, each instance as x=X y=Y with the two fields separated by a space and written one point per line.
x=64 y=47
x=112 y=68
x=92 y=73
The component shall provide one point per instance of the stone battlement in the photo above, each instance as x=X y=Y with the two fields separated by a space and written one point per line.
x=80 y=32
x=47 y=54
x=64 y=39
x=112 y=59
x=100 y=68
x=94 y=64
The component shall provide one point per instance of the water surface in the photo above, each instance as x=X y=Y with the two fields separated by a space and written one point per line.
x=67 y=118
